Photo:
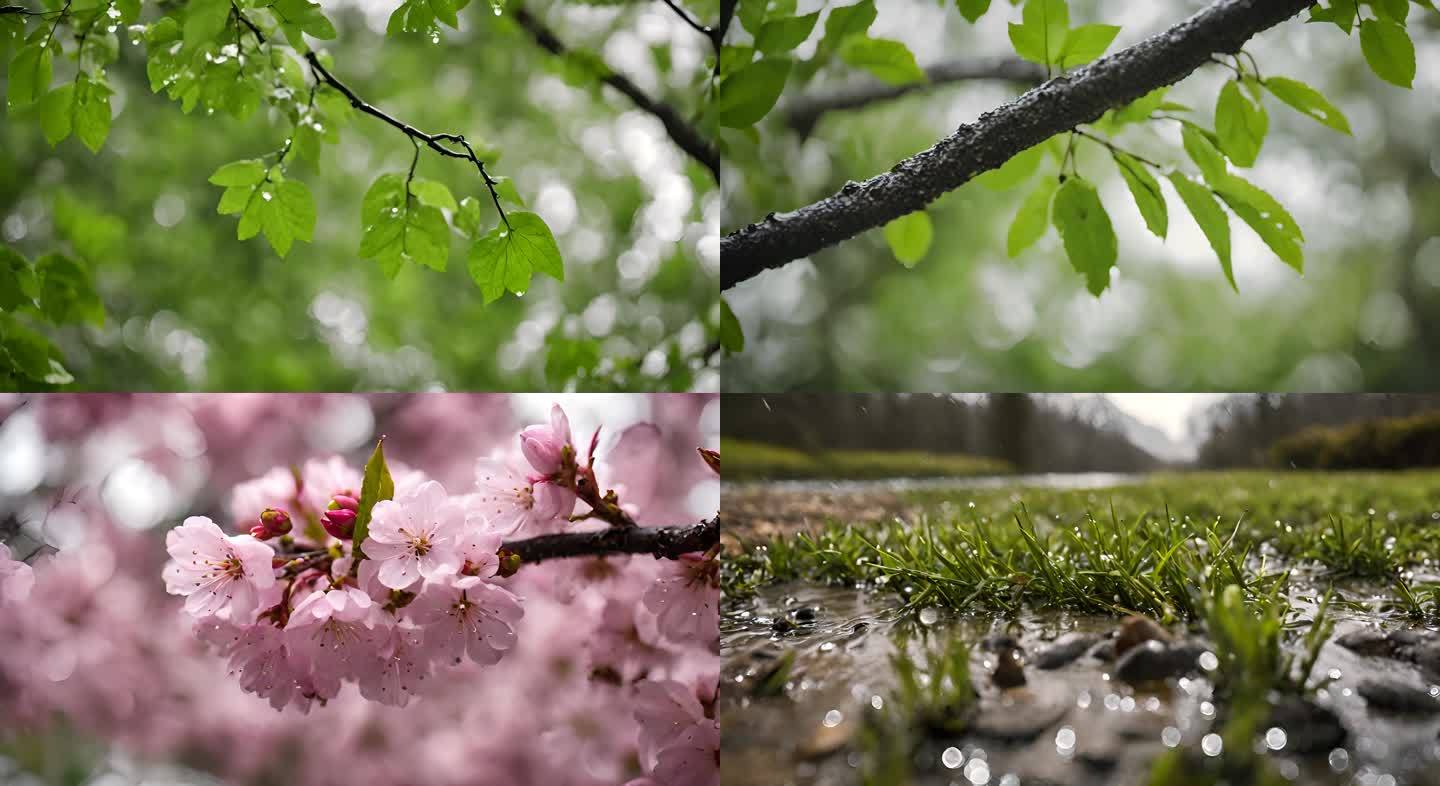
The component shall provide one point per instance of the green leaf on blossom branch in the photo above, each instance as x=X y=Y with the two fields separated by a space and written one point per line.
x=375 y=485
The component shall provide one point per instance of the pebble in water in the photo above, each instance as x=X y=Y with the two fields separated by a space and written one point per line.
x=1398 y=697
x=1065 y=650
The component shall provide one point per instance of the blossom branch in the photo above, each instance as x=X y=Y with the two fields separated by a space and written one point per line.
x=660 y=542
x=685 y=135
x=1054 y=107
x=804 y=112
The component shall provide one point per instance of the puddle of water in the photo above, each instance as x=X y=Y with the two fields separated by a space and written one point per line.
x=1074 y=725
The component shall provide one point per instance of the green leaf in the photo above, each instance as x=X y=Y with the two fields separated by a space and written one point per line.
x=846 y=21
x=375 y=485
x=1085 y=43
x=1040 y=36
x=287 y=214
x=1085 y=227
x=747 y=95
x=505 y=187
x=1308 y=101
x=1139 y=110
x=66 y=293
x=433 y=193
x=249 y=172
x=1015 y=171
x=1270 y=220
x=785 y=33
x=1341 y=12
x=1394 y=10
x=507 y=257
x=57 y=113
x=1240 y=125
x=92 y=113
x=467 y=218
x=18 y=287
x=1210 y=216
x=29 y=75
x=1146 y=191
x=27 y=354
x=204 y=21
x=302 y=16
x=397 y=230
x=889 y=61
x=732 y=336
x=1388 y=50
x=972 y=10
x=1203 y=152
x=1031 y=219
x=909 y=237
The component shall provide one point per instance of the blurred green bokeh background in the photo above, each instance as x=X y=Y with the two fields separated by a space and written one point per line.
x=1365 y=316
x=191 y=307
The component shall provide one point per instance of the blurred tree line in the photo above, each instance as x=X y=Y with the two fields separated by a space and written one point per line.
x=1020 y=429
x=1321 y=431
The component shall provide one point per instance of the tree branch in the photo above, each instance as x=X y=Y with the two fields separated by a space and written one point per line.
x=660 y=542
x=686 y=136
x=1052 y=108
x=433 y=141
x=804 y=112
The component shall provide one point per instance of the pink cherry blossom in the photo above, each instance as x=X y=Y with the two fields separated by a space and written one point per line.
x=336 y=630
x=479 y=548
x=415 y=536
x=16 y=578
x=399 y=670
x=263 y=661
x=544 y=445
x=686 y=599
x=218 y=575
x=679 y=745
x=470 y=616
x=511 y=500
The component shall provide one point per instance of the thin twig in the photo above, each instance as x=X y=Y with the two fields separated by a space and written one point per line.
x=685 y=135
x=802 y=113
x=432 y=141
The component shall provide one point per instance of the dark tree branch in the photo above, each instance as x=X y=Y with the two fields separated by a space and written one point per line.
x=689 y=20
x=433 y=141
x=1052 y=108
x=660 y=542
x=802 y=113
x=685 y=135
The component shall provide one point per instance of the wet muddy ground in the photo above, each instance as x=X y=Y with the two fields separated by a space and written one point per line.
x=758 y=511
x=1074 y=720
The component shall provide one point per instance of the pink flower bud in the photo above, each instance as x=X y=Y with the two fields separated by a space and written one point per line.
x=259 y=532
x=339 y=523
x=344 y=502
x=276 y=522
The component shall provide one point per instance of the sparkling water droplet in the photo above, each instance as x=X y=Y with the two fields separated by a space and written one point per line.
x=265 y=195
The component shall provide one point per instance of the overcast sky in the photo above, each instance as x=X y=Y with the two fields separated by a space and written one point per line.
x=1168 y=411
